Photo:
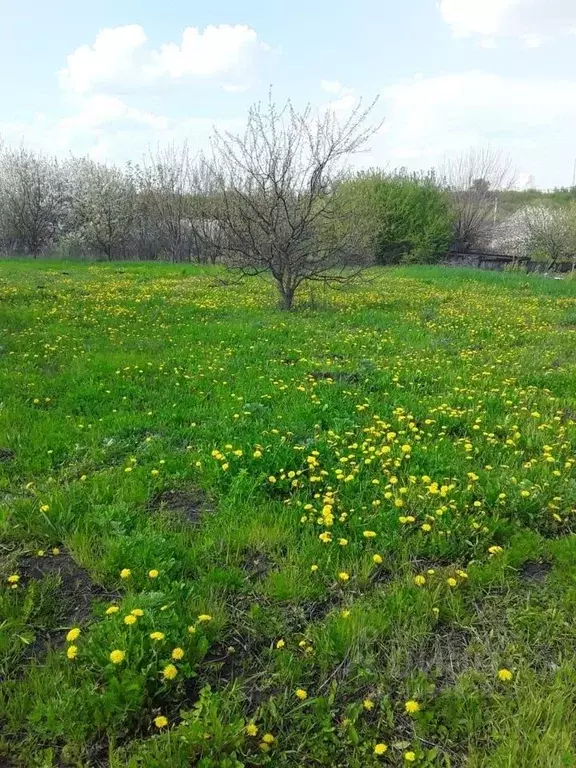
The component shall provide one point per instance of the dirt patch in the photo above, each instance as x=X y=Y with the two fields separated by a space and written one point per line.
x=381 y=575
x=238 y=657
x=6 y=455
x=423 y=564
x=189 y=504
x=76 y=590
x=340 y=376
x=256 y=564
x=299 y=616
x=444 y=655
x=534 y=572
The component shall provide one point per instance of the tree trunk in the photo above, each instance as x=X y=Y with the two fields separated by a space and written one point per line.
x=286 y=298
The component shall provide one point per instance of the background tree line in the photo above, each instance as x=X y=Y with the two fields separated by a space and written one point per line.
x=279 y=199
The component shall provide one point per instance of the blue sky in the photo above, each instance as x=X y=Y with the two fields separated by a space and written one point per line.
x=112 y=78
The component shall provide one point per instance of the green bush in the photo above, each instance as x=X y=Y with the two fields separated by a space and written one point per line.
x=410 y=214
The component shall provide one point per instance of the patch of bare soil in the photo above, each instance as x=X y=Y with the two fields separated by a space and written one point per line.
x=381 y=575
x=444 y=655
x=256 y=564
x=189 y=504
x=71 y=602
x=534 y=572
x=339 y=376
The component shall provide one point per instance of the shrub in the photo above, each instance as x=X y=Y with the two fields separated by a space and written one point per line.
x=411 y=215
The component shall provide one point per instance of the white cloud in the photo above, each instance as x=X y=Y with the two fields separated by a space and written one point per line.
x=216 y=50
x=531 y=119
x=119 y=58
x=330 y=86
x=102 y=109
x=532 y=41
x=347 y=97
x=527 y=20
x=109 y=130
x=110 y=57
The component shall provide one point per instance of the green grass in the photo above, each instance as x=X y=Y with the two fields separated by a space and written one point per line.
x=154 y=419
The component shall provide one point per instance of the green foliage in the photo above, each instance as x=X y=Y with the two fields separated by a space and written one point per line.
x=409 y=214
x=512 y=200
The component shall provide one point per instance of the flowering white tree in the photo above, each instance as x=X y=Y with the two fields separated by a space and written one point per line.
x=103 y=206
x=539 y=232
x=33 y=200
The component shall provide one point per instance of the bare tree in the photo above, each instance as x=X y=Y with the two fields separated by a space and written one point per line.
x=474 y=180
x=164 y=185
x=33 y=200
x=103 y=205
x=274 y=197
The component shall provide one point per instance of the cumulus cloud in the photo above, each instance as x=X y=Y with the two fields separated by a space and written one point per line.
x=345 y=98
x=112 y=56
x=330 y=86
x=216 y=50
x=119 y=58
x=529 y=20
x=107 y=129
x=102 y=109
x=428 y=118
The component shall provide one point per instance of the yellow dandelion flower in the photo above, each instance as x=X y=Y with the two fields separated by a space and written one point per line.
x=117 y=656
x=505 y=675
x=368 y=704
x=177 y=654
x=301 y=694
x=410 y=756
x=72 y=652
x=169 y=672
x=73 y=634
x=125 y=573
x=380 y=749
x=419 y=581
x=130 y=619
x=369 y=534
x=343 y=576
x=112 y=609
x=268 y=738
x=411 y=707
x=204 y=618
x=153 y=574
x=451 y=582
x=251 y=729
x=377 y=559
x=160 y=721
x=157 y=635
x=280 y=644
x=137 y=612
x=13 y=579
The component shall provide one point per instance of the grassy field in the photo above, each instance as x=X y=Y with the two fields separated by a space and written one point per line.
x=235 y=537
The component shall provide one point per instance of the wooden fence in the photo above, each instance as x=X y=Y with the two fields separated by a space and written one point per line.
x=500 y=261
